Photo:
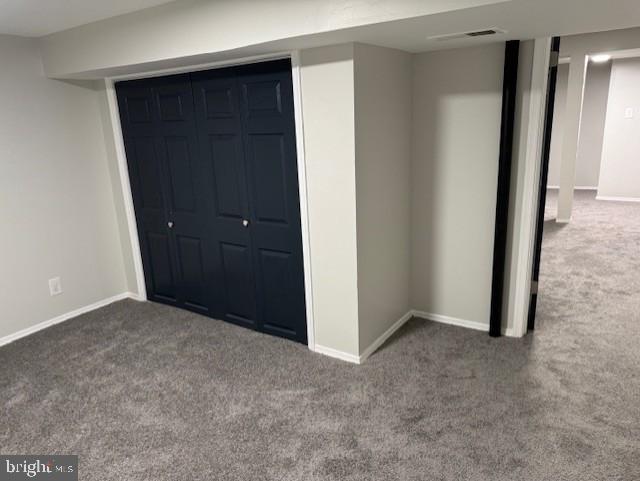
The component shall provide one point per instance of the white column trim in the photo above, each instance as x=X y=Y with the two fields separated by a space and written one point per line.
x=527 y=193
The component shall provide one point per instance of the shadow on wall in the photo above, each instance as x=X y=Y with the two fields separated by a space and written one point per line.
x=95 y=85
x=456 y=122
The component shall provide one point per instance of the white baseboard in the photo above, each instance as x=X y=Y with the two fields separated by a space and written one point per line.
x=134 y=296
x=577 y=187
x=618 y=199
x=344 y=356
x=352 y=358
x=454 y=321
x=327 y=351
x=563 y=221
x=64 y=317
x=385 y=335
x=510 y=332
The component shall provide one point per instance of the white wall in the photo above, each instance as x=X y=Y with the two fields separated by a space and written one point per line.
x=457 y=98
x=555 y=152
x=620 y=169
x=602 y=40
x=56 y=201
x=383 y=154
x=327 y=78
x=594 y=109
x=413 y=198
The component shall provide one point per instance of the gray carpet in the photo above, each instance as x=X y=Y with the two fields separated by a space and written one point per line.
x=146 y=392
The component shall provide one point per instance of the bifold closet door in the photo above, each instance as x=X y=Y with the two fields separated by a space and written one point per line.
x=213 y=168
x=169 y=190
x=217 y=107
x=246 y=128
x=274 y=201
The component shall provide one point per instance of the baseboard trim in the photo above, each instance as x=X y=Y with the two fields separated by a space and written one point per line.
x=510 y=332
x=385 y=335
x=453 y=321
x=64 y=317
x=577 y=187
x=134 y=296
x=343 y=356
x=327 y=351
x=563 y=221
x=618 y=199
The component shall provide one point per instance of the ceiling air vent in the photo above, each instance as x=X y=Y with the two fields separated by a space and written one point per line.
x=476 y=33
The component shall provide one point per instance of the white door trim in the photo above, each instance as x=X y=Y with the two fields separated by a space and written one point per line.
x=302 y=170
x=527 y=194
x=304 y=204
x=125 y=184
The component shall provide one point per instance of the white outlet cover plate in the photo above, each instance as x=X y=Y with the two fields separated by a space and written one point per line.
x=55 y=286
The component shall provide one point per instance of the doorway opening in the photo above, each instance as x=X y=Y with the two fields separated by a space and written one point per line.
x=586 y=268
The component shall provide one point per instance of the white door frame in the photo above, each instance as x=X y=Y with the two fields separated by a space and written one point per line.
x=527 y=192
x=112 y=101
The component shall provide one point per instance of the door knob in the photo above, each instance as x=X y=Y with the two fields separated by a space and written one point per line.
x=170 y=224
x=245 y=222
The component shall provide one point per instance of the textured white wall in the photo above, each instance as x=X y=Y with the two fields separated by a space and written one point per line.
x=457 y=98
x=327 y=78
x=56 y=201
x=620 y=169
x=594 y=109
x=383 y=155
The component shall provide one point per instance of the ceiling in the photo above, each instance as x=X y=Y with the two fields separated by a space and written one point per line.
x=34 y=18
x=221 y=30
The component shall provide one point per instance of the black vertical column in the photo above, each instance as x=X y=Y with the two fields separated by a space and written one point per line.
x=509 y=84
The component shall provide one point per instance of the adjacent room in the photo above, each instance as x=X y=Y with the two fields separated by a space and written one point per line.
x=588 y=271
x=287 y=240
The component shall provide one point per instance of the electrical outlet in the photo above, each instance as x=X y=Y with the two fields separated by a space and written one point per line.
x=55 y=286
x=628 y=113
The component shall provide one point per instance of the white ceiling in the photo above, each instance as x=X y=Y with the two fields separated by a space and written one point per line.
x=34 y=18
x=188 y=32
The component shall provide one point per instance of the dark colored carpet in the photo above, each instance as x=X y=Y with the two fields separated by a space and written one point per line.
x=146 y=392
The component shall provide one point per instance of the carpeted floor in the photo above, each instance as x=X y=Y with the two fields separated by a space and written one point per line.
x=146 y=392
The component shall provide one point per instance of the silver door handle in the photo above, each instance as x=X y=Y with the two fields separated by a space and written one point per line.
x=170 y=224
x=245 y=222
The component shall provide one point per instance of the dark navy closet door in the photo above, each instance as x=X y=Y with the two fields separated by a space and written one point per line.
x=221 y=144
x=212 y=161
x=246 y=130
x=267 y=113
x=169 y=190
